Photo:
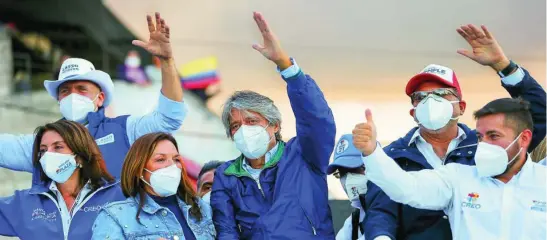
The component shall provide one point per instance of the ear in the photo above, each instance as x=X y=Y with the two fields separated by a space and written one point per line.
x=411 y=112
x=100 y=100
x=276 y=128
x=463 y=105
x=525 y=139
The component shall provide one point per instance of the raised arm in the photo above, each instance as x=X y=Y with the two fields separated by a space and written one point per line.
x=223 y=210
x=171 y=111
x=515 y=79
x=315 y=128
x=425 y=189
x=16 y=152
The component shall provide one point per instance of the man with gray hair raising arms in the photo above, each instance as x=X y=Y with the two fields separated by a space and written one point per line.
x=275 y=190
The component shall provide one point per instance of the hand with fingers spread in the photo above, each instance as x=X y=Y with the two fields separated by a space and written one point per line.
x=158 y=44
x=271 y=48
x=364 y=135
x=485 y=48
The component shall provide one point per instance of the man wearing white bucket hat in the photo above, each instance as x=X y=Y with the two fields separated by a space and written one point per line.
x=84 y=92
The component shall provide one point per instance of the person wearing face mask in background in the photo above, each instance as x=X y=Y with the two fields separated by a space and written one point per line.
x=74 y=186
x=132 y=71
x=348 y=167
x=83 y=94
x=439 y=139
x=275 y=189
x=205 y=179
x=161 y=202
x=502 y=197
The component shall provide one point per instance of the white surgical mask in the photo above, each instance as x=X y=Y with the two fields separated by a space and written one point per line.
x=75 y=107
x=207 y=198
x=165 y=181
x=492 y=160
x=133 y=62
x=58 y=166
x=252 y=141
x=434 y=112
x=354 y=185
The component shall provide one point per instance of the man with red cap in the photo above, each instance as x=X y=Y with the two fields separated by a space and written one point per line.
x=439 y=139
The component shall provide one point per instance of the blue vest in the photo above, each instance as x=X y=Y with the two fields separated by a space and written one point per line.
x=111 y=136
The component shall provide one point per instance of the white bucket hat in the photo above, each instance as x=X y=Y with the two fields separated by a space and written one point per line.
x=76 y=69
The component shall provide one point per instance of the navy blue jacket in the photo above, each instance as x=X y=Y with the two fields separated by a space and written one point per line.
x=398 y=221
x=290 y=198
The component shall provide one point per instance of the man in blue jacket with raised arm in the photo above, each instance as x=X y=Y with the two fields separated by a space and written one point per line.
x=275 y=189
x=439 y=138
x=84 y=92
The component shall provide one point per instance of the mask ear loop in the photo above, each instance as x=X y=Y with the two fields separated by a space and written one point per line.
x=520 y=150
x=142 y=177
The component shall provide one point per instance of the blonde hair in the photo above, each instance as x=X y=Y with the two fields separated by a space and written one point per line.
x=539 y=153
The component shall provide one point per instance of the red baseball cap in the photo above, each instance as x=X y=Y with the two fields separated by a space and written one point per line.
x=434 y=73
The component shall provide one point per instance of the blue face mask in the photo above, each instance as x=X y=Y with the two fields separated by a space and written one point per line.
x=58 y=166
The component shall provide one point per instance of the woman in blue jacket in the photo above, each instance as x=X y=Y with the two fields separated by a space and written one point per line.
x=161 y=202
x=74 y=186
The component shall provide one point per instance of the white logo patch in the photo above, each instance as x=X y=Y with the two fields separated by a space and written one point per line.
x=105 y=140
x=342 y=146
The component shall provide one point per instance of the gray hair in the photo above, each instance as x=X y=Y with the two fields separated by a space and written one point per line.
x=246 y=101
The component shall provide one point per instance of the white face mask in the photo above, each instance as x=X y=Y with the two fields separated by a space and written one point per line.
x=492 y=160
x=58 y=166
x=434 y=112
x=252 y=141
x=165 y=181
x=354 y=185
x=133 y=62
x=207 y=198
x=75 y=107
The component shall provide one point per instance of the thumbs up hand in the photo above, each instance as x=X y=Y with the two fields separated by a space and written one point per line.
x=364 y=135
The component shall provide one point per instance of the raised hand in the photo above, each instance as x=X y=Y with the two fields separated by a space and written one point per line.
x=271 y=48
x=364 y=135
x=158 y=44
x=485 y=48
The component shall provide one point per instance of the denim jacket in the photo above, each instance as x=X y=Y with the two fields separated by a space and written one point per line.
x=118 y=221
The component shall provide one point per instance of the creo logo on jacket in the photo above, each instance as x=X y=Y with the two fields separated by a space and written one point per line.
x=471 y=200
x=40 y=214
x=95 y=208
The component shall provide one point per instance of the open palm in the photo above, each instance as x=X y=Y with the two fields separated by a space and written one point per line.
x=485 y=48
x=158 y=44
x=271 y=48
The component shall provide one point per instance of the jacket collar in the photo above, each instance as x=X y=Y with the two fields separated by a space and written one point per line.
x=95 y=118
x=402 y=148
x=43 y=186
x=151 y=207
x=236 y=168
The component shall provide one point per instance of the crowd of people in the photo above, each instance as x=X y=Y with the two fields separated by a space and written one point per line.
x=96 y=177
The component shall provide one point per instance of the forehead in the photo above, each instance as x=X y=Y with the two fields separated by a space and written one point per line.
x=208 y=176
x=84 y=83
x=50 y=137
x=430 y=85
x=165 y=147
x=236 y=115
x=492 y=122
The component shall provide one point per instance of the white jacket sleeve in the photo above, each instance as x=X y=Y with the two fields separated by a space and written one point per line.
x=425 y=189
x=16 y=152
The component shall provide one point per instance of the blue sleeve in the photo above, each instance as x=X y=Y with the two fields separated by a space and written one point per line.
x=16 y=152
x=8 y=211
x=381 y=214
x=105 y=227
x=315 y=128
x=167 y=117
x=530 y=90
x=223 y=210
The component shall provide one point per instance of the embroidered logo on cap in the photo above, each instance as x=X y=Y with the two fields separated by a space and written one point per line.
x=342 y=146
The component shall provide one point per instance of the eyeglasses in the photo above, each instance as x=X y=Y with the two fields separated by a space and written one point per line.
x=420 y=95
x=342 y=172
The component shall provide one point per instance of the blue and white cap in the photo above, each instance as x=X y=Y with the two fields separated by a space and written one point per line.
x=345 y=155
